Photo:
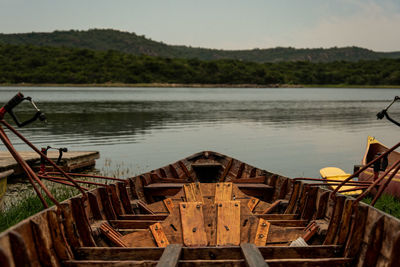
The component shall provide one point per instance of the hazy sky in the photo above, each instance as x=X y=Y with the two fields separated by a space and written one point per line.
x=224 y=24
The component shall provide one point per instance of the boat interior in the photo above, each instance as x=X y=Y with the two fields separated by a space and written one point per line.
x=206 y=209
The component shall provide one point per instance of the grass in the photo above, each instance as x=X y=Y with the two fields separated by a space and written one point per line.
x=30 y=205
x=386 y=203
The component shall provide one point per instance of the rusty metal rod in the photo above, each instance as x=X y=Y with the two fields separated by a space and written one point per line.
x=91 y=176
x=364 y=168
x=319 y=179
x=43 y=155
x=65 y=179
x=25 y=167
x=377 y=181
x=62 y=182
x=325 y=184
x=383 y=186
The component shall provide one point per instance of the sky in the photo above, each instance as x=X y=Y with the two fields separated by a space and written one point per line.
x=221 y=24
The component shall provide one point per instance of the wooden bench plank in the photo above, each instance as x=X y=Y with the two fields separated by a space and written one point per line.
x=228 y=223
x=207 y=253
x=223 y=192
x=252 y=255
x=171 y=255
x=193 y=230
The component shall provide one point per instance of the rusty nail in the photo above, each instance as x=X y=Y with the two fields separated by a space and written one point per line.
x=227 y=228
x=194 y=229
x=261 y=236
x=183 y=206
x=198 y=206
x=253 y=200
x=162 y=241
x=156 y=228
x=264 y=224
x=220 y=205
x=218 y=185
x=236 y=205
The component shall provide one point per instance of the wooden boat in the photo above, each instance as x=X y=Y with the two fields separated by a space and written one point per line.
x=333 y=174
x=206 y=209
x=374 y=148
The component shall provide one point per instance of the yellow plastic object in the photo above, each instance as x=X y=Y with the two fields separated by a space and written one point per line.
x=333 y=173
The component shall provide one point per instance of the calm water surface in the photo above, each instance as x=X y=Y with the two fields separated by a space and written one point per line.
x=294 y=132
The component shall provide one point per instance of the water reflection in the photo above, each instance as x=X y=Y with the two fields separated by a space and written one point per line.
x=292 y=131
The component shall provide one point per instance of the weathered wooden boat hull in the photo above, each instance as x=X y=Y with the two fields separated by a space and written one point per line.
x=374 y=147
x=154 y=219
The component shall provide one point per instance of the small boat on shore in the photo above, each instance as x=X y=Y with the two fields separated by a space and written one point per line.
x=205 y=210
x=373 y=150
x=333 y=174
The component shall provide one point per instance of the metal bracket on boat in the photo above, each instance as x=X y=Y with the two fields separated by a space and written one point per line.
x=15 y=101
x=384 y=112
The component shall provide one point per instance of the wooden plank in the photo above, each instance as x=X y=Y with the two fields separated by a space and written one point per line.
x=125 y=201
x=321 y=205
x=82 y=223
x=70 y=226
x=344 y=223
x=173 y=171
x=240 y=171
x=149 y=217
x=94 y=206
x=171 y=255
x=223 y=192
x=116 y=263
x=335 y=220
x=114 y=236
x=168 y=204
x=185 y=170
x=60 y=244
x=252 y=203
x=228 y=223
x=114 y=253
x=272 y=207
x=193 y=192
x=131 y=224
x=252 y=255
x=325 y=262
x=289 y=223
x=277 y=216
x=192 y=220
x=46 y=258
x=5 y=261
x=293 y=197
x=394 y=259
x=374 y=243
x=19 y=250
x=71 y=160
x=105 y=201
x=226 y=170
x=159 y=235
x=262 y=232
x=207 y=253
x=257 y=179
x=356 y=232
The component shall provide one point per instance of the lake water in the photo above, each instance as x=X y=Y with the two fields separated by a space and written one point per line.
x=294 y=132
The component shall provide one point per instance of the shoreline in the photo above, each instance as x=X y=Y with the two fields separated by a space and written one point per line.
x=178 y=85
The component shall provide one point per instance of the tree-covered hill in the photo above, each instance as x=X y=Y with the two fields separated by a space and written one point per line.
x=61 y=65
x=102 y=39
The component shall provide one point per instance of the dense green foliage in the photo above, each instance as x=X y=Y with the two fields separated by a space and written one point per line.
x=131 y=43
x=31 y=64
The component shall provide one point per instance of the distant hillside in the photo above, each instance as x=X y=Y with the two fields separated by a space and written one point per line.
x=98 y=39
